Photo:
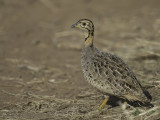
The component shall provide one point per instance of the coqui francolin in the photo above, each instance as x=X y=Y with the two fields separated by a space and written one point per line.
x=106 y=72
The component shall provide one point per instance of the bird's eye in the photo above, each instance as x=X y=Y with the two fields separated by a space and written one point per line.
x=84 y=24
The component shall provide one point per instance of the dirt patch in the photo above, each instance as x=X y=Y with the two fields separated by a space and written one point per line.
x=40 y=70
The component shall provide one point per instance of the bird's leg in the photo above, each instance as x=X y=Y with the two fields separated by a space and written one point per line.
x=103 y=103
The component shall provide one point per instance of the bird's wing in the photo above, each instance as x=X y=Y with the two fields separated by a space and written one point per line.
x=113 y=70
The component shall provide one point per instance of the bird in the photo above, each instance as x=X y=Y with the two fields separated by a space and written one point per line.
x=107 y=72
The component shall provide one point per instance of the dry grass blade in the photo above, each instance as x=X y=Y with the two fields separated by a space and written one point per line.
x=152 y=53
x=148 y=42
x=150 y=110
x=13 y=94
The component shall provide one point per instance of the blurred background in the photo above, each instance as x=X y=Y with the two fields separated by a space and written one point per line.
x=40 y=53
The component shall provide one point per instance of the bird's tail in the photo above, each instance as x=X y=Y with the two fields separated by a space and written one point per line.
x=147 y=96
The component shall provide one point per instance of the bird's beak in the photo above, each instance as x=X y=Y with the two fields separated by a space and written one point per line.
x=74 y=25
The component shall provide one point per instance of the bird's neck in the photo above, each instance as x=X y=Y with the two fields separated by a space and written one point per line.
x=89 y=38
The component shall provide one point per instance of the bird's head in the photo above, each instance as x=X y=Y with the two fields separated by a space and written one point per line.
x=87 y=27
x=84 y=25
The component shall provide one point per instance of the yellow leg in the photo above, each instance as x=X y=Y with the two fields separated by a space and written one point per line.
x=103 y=104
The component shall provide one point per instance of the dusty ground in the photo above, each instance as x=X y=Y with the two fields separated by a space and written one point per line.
x=40 y=73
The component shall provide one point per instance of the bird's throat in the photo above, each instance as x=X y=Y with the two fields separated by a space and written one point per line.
x=88 y=39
